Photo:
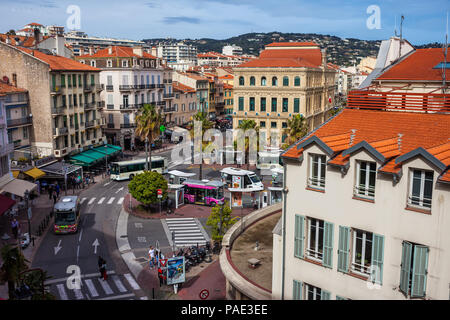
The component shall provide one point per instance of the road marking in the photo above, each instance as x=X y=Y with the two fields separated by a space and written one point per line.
x=95 y=244
x=78 y=252
x=111 y=200
x=91 y=287
x=101 y=200
x=120 y=200
x=58 y=247
x=119 y=297
x=131 y=281
x=105 y=286
x=119 y=284
x=81 y=233
x=62 y=292
x=90 y=275
x=83 y=200
x=138 y=225
x=107 y=183
x=91 y=201
x=78 y=294
x=120 y=189
x=141 y=239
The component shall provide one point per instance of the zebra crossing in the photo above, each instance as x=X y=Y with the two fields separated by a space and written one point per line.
x=185 y=232
x=102 y=200
x=95 y=288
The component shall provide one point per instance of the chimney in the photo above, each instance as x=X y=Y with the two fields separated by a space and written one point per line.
x=110 y=50
x=137 y=50
x=324 y=57
x=154 y=51
x=91 y=50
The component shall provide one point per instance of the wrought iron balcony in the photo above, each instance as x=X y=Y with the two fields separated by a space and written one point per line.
x=60 y=131
x=60 y=110
x=109 y=88
x=19 y=122
x=90 y=124
x=127 y=125
x=168 y=95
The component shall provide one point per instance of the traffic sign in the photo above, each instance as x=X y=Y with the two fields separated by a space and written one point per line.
x=162 y=128
x=159 y=192
x=204 y=294
x=163 y=262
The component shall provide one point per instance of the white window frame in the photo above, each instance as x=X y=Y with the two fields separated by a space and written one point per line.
x=124 y=63
x=314 y=253
x=369 y=191
x=361 y=269
x=109 y=63
x=311 y=183
x=317 y=292
x=422 y=189
x=93 y=64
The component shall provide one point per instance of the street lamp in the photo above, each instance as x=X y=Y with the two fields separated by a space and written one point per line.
x=106 y=159
x=27 y=198
x=65 y=176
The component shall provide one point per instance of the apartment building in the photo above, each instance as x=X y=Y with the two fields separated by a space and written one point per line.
x=131 y=77
x=366 y=210
x=179 y=56
x=5 y=146
x=228 y=98
x=184 y=104
x=216 y=59
x=64 y=99
x=232 y=50
x=288 y=78
x=201 y=85
x=18 y=119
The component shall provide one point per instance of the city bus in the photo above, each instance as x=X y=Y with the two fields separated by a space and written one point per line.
x=66 y=215
x=209 y=193
x=124 y=170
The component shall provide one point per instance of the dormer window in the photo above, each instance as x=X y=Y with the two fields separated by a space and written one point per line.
x=92 y=63
x=124 y=63
x=317 y=170
x=365 y=179
x=420 y=188
x=147 y=63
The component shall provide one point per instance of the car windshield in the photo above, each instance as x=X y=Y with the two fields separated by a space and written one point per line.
x=255 y=178
x=64 y=217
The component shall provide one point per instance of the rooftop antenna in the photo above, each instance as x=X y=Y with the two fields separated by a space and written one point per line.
x=400 y=35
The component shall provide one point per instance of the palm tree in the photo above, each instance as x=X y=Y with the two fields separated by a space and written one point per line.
x=206 y=124
x=148 y=122
x=296 y=129
x=13 y=264
x=245 y=125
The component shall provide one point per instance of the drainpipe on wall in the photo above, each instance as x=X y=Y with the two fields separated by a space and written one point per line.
x=283 y=230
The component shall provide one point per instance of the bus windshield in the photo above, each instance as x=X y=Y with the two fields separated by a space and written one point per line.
x=254 y=178
x=220 y=193
x=115 y=168
x=65 y=217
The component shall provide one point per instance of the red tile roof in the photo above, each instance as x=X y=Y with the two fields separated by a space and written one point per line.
x=117 y=51
x=8 y=88
x=182 y=88
x=286 y=58
x=392 y=134
x=59 y=63
x=418 y=66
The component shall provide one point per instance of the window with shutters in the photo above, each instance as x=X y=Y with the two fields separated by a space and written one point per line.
x=420 y=189
x=315 y=293
x=414 y=269
x=365 y=179
x=252 y=81
x=362 y=252
x=317 y=171
x=315 y=239
x=263 y=104
x=297 y=290
x=252 y=103
x=296 y=105
x=241 y=81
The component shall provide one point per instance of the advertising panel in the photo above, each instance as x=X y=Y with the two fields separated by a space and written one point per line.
x=175 y=270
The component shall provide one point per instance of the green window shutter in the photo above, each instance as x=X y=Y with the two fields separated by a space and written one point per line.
x=328 y=245
x=299 y=236
x=325 y=295
x=405 y=267
x=419 y=276
x=340 y=298
x=343 y=249
x=297 y=290
x=296 y=105
x=241 y=103
x=263 y=104
x=63 y=80
x=377 y=258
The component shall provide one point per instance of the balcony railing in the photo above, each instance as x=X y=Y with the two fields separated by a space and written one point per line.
x=125 y=87
x=90 y=105
x=109 y=88
x=160 y=103
x=171 y=109
x=161 y=86
x=60 y=131
x=100 y=104
x=60 y=110
x=127 y=125
x=110 y=125
x=88 y=88
x=90 y=124
x=168 y=95
x=19 y=122
x=131 y=106
x=167 y=80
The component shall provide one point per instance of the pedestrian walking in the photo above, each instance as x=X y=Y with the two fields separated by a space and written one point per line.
x=50 y=191
x=58 y=189
x=151 y=255
x=15 y=228
x=102 y=268
x=38 y=186
x=55 y=196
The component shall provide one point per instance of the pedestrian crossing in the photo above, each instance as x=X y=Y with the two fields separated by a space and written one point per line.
x=102 y=200
x=185 y=232
x=95 y=288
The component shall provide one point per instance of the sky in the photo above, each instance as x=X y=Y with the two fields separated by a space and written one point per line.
x=425 y=21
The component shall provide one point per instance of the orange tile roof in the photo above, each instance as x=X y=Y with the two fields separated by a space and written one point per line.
x=392 y=134
x=418 y=66
x=117 y=51
x=227 y=76
x=8 y=88
x=182 y=87
x=227 y=86
x=59 y=63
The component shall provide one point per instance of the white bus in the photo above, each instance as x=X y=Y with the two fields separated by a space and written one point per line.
x=124 y=170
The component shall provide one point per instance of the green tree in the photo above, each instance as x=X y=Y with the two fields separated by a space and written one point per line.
x=245 y=125
x=14 y=263
x=148 y=122
x=35 y=279
x=220 y=220
x=296 y=129
x=144 y=187
x=206 y=124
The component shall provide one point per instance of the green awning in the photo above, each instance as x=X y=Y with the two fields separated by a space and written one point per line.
x=108 y=149
x=92 y=153
x=82 y=160
x=114 y=147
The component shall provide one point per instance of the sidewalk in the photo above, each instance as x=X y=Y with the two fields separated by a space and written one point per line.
x=41 y=208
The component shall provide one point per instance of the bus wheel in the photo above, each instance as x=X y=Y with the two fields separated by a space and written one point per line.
x=131 y=176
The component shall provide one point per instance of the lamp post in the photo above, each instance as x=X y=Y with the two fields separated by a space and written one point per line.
x=106 y=159
x=65 y=176
x=27 y=198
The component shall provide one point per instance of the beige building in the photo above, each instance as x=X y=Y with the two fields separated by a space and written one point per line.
x=365 y=211
x=288 y=78
x=367 y=64
x=184 y=105
x=64 y=99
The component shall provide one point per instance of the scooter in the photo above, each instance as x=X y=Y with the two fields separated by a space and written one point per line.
x=25 y=240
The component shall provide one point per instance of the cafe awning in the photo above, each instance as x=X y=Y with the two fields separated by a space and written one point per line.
x=5 y=204
x=82 y=160
x=108 y=149
x=35 y=173
x=15 y=173
x=18 y=187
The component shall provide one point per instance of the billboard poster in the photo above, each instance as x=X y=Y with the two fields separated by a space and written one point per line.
x=175 y=270
x=236 y=182
x=237 y=199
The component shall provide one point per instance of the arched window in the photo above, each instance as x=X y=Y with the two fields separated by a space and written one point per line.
x=241 y=81
x=252 y=81
x=297 y=81
x=285 y=81
x=263 y=81
x=274 y=81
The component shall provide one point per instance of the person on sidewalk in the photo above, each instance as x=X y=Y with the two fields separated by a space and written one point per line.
x=55 y=196
x=102 y=268
x=15 y=228
x=151 y=254
x=50 y=191
x=58 y=189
